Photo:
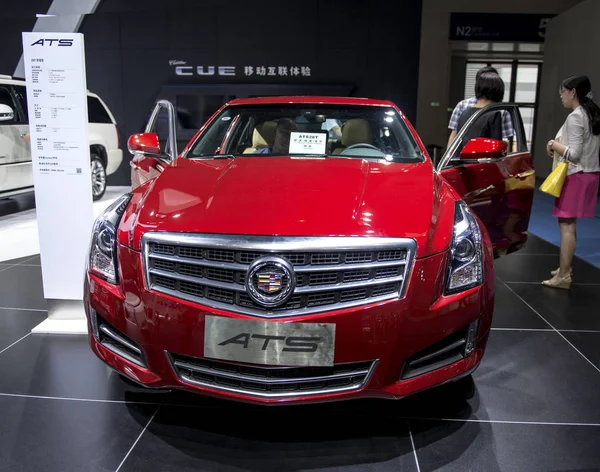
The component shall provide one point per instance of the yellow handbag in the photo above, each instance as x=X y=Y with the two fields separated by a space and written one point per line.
x=554 y=182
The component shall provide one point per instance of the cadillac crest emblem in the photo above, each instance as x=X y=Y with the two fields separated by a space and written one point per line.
x=270 y=281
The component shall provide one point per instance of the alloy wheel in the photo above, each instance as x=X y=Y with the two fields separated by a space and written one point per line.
x=98 y=178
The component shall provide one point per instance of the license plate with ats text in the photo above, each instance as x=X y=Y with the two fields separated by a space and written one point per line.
x=269 y=342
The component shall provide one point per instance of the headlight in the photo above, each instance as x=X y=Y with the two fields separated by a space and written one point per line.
x=466 y=255
x=103 y=247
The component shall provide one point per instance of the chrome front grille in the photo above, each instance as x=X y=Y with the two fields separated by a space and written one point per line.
x=329 y=272
x=271 y=382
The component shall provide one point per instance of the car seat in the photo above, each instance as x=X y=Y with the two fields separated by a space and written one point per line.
x=355 y=131
x=263 y=136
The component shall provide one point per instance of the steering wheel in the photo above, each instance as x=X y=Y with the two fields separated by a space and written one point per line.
x=362 y=145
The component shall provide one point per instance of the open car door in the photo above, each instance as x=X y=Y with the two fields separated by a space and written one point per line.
x=494 y=177
x=149 y=158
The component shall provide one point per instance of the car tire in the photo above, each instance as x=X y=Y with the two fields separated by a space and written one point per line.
x=98 y=176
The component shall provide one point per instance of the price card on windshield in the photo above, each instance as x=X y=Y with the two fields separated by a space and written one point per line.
x=308 y=143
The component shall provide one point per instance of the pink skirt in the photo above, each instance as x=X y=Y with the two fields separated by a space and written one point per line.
x=578 y=197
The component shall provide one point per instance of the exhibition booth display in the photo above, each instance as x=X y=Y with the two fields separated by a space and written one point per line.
x=57 y=105
x=298 y=249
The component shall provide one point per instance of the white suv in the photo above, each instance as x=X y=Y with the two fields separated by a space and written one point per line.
x=16 y=174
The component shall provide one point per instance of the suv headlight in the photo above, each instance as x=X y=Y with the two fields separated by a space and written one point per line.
x=466 y=255
x=103 y=247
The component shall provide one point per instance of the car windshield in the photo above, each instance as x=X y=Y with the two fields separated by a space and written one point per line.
x=366 y=132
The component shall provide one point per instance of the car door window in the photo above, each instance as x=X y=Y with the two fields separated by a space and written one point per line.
x=6 y=98
x=502 y=122
x=21 y=95
x=96 y=112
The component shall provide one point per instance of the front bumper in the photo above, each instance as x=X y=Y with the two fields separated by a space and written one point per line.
x=386 y=350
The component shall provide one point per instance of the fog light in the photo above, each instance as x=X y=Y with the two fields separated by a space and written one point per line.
x=471 y=338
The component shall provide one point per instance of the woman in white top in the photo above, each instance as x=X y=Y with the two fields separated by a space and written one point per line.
x=578 y=141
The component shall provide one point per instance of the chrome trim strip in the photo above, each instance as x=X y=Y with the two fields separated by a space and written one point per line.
x=123 y=354
x=198 y=280
x=274 y=314
x=171 y=146
x=306 y=393
x=349 y=267
x=442 y=351
x=280 y=243
x=271 y=381
x=94 y=323
x=347 y=286
x=109 y=332
x=298 y=269
x=188 y=380
x=299 y=291
x=480 y=203
x=201 y=262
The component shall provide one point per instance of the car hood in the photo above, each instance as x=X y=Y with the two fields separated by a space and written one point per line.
x=285 y=196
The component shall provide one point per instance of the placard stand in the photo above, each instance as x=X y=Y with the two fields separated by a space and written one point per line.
x=58 y=127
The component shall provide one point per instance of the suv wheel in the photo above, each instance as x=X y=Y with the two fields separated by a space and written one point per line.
x=98 y=172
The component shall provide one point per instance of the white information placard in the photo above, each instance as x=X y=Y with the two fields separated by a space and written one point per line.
x=308 y=143
x=58 y=127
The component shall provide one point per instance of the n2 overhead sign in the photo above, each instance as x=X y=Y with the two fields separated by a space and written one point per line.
x=498 y=27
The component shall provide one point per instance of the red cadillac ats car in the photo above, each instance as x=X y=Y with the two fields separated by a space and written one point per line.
x=305 y=249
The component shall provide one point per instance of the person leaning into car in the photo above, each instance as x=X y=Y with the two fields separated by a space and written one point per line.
x=507 y=126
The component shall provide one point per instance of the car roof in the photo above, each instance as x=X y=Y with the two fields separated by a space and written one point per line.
x=286 y=100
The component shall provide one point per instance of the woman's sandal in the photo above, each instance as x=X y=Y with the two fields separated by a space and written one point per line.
x=555 y=272
x=559 y=282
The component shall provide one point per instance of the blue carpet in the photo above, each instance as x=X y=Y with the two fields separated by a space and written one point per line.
x=545 y=226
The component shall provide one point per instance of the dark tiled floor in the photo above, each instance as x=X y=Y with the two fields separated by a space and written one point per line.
x=511 y=312
x=62 y=366
x=25 y=261
x=14 y=324
x=495 y=447
x=533 y=404
x=587 y=344
x=52 y=435
x=563 y=309
x=533 y=268
x=21 y=287
x=184 y=439
x=526 y=376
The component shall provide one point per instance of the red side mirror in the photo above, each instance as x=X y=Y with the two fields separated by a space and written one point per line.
x=145 y=143
x=483 y=148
